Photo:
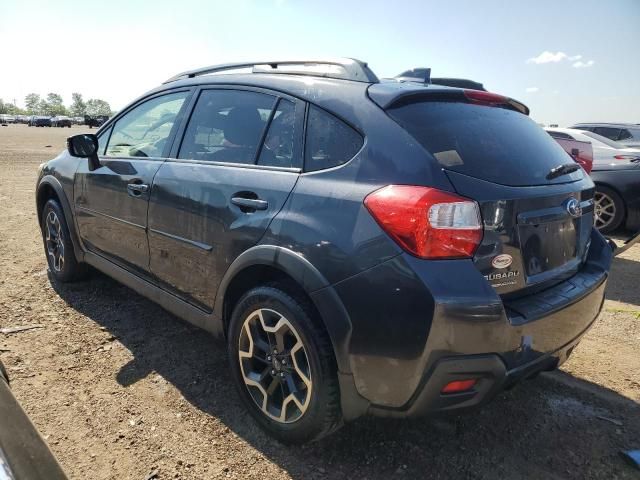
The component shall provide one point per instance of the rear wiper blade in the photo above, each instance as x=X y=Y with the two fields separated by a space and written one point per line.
x=562 y=170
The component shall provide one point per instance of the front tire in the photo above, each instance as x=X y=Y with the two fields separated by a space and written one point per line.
x=283 y=365
x=58 y=247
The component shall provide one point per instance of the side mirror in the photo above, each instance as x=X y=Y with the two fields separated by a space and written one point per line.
x=85 y=146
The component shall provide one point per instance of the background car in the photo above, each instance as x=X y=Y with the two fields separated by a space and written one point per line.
x=616 y=173
x=6 y=119
x=23 y=453
x=580 y=151
x=95 y=120
x=61 y=121
x=628 y=134
x=40 y=121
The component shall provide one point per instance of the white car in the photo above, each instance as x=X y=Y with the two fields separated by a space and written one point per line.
x=605 y=151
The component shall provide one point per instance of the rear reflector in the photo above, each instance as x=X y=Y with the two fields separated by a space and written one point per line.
x=459 y=386
x=427 y=222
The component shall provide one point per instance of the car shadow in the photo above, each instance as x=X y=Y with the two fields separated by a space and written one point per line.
x=546 y=424
x=622 y=284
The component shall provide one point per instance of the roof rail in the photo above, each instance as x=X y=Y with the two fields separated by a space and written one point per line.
x=352 y=69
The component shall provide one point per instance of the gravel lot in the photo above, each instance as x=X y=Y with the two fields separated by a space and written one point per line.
x=122 y=389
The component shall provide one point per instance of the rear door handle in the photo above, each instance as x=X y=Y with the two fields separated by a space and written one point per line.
x=250 y=204
x=137 y=189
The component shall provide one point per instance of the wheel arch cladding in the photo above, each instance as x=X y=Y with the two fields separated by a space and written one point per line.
x=265 y=263
x=50 y=188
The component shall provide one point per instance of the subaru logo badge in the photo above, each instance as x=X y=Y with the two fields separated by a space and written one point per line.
x=573 y=207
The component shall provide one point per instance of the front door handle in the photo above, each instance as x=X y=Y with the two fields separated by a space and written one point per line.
x=250 y=204
x=137 y=189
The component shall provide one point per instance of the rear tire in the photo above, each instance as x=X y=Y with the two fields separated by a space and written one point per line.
x=58 y=247
x=609 y=209
x=283 y=365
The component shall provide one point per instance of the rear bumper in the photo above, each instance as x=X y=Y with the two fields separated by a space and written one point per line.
x=490 y=370
x=417 y=325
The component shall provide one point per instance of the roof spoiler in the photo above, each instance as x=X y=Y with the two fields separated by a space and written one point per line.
x=459 y=83
x=423 y=75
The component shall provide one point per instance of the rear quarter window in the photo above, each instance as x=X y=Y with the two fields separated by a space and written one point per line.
x=630 y=133
x=495 y=144
x=329 y=141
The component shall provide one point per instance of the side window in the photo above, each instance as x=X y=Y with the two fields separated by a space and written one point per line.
x=103 y=139
x=330 y=142
x=227 y=126
x=635 y=133
x=277 y=149
x=610 y=133
x=624 y=134
x=143 y=131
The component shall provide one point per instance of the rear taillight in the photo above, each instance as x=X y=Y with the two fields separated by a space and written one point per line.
x=427 y=222
x=629 y=158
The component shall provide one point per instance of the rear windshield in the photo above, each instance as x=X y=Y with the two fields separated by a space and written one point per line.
x=494 y=144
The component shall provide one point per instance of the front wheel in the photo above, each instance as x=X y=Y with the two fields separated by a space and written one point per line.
x=57 y=244
x=283 y=365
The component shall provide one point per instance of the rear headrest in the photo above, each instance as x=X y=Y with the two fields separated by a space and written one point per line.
x=243 y=126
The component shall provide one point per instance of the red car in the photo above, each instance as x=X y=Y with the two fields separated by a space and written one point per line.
x=581 y=152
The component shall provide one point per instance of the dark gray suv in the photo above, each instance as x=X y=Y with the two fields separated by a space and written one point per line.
x=387 y=247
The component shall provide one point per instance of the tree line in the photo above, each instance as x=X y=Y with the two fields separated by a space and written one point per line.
x=53 y=104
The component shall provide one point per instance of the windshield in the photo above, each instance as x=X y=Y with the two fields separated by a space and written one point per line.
x=494 y=144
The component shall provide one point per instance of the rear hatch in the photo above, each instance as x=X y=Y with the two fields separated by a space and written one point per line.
x=537 y=219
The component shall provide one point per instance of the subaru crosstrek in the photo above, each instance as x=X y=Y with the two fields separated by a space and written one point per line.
x=396 y=248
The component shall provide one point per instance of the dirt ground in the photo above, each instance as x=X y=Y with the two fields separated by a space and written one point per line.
x=121 y=389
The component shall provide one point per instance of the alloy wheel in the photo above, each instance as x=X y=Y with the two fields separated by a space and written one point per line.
x=54 y=241
x=605 y=210
x=275 y=366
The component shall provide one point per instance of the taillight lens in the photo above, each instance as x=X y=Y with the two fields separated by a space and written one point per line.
x=630 y=158
x=427 y=222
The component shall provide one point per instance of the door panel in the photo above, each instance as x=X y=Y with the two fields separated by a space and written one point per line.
x=214 y=202
x=111 y=202
x=195 y=228
x=111 y=218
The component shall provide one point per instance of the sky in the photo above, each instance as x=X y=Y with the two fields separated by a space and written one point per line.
x=569 y=61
